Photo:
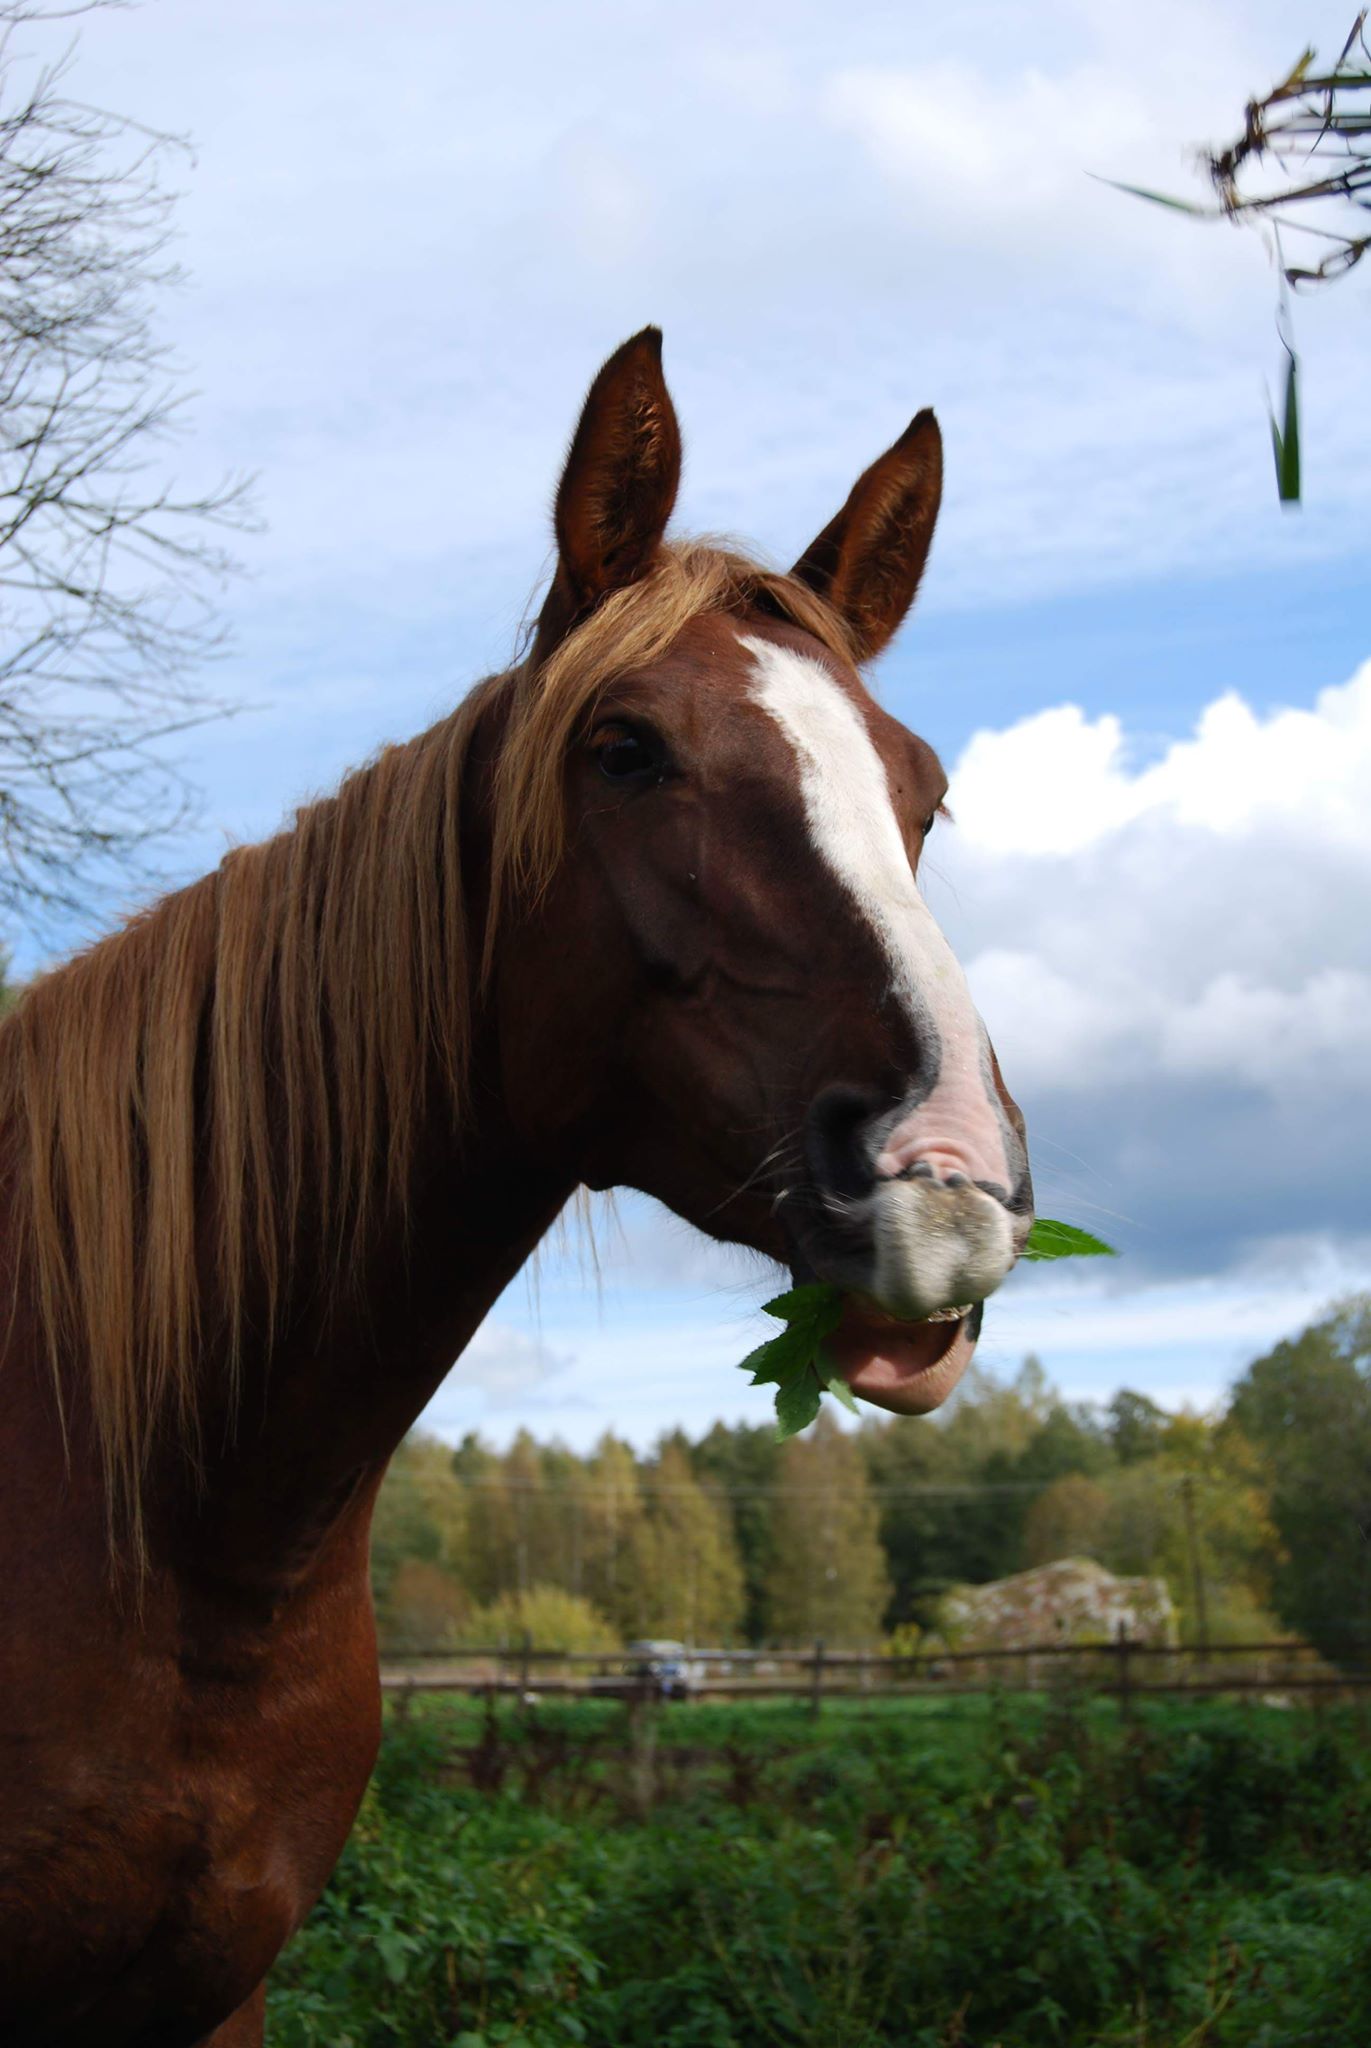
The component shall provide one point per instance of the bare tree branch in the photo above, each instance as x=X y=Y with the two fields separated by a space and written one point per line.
x=1325 y=114
x=1309 y=113
x=108 y=572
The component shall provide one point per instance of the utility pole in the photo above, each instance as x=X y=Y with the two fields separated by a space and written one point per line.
x=1196 y=1573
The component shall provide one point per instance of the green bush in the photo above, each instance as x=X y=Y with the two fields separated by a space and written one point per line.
x=1023 y=1876
x=549 y=1617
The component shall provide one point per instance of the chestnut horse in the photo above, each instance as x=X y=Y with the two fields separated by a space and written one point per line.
x=642 y=911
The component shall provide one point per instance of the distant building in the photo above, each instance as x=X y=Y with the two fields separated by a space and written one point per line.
x=1073 y=1600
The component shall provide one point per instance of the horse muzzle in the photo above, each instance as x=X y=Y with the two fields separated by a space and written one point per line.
x=917 y=1250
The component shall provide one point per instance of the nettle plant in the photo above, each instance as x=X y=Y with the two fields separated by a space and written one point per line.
x=795 y=1361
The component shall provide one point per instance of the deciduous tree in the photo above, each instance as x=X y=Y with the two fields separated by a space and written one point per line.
x=1306 y=1408
x=108 y=568
x=828 y=1575
x=1069 y=1518
x=685 y=1568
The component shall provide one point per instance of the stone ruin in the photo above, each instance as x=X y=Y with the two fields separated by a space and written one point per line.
x=1073 y=1600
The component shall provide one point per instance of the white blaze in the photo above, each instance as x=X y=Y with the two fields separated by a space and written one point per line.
x=960 y=1125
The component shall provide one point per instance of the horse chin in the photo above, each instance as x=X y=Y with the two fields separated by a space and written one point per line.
x=908 y=1367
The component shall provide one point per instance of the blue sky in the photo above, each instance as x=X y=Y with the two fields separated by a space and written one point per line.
x=412 y=233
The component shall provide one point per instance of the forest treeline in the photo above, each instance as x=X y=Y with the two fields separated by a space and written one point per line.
x=1258 y=1516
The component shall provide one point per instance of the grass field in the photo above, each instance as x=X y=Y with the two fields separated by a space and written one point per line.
x=934 y=1875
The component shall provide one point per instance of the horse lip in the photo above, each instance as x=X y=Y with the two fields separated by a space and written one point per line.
x=904 y=1367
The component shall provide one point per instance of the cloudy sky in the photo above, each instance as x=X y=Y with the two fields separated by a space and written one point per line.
x=413 y=232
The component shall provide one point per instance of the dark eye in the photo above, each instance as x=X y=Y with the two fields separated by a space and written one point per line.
x=929 y=822
x=626 y=752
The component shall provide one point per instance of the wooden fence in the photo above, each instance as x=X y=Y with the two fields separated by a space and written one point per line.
x=1124 y=1668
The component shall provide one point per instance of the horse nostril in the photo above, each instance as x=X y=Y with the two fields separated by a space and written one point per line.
x=835 y=1145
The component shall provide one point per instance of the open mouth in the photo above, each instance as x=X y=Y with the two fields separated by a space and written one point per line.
x=908 y=1367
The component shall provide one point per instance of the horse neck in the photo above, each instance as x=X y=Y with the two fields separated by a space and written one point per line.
x=319 y=1412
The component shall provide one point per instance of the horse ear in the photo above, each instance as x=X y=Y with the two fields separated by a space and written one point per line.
x=617 y=489
x=867 y=562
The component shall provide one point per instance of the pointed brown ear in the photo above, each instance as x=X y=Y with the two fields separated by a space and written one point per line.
x=867 y=562
x=617 y=489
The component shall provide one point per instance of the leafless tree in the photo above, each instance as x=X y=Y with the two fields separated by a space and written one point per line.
x=108 y=572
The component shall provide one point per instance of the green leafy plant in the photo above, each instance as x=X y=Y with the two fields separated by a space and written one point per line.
x=795 y=1362
x=903 y=1874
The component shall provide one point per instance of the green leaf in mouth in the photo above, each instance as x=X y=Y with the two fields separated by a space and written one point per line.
x=793 y=1361
x=1051 y=1240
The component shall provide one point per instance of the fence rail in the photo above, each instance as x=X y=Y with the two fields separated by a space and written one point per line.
x=1124 y=1667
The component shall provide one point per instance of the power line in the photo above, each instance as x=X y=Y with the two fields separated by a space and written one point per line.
x=577 y=1490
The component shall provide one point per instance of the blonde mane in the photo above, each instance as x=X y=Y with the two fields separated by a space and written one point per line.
x=252 y=1059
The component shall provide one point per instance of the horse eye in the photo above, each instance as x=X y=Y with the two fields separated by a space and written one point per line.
x=623 y=753
x=929 y=822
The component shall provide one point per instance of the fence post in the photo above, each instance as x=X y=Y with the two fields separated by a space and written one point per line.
x=1196 y=1564
x=525 y=1645
x=644 y=1713
x=1125 y=1674
x=817 y=1682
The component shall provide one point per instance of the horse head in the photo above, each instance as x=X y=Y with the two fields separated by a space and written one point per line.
x=729 y=992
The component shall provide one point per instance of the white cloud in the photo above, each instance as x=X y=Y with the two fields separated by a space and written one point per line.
x=506 y=1363
x=1174 y=959
x=596 y=196
x=991 y=149
x=988 y=146
x=1207 y=913
x=1277 y=1038
x=1185 y=1340
x=1060 y=782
